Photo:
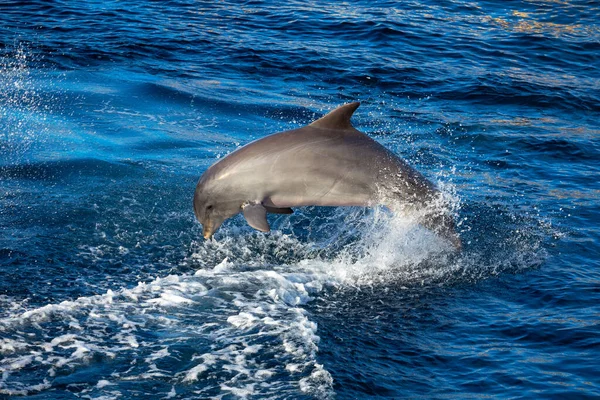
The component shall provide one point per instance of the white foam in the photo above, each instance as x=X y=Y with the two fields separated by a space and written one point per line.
x=171 y=394
x=167 y=299
x=318 y=383
x=241 y=392
x=192 y=374
x=263 y=374
x=8 y=346
x=243 y=320
x=223 y=266
x=103 y=383
x=25 y=390
x=162 y=353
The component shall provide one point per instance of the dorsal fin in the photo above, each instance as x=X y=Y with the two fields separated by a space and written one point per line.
x=338 y=118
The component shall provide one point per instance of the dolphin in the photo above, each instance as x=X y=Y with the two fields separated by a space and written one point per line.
x=326 y=163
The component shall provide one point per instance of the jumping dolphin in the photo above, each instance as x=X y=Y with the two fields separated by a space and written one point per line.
x=326 y=163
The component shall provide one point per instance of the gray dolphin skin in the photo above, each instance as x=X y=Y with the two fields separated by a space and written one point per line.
x=326 y=163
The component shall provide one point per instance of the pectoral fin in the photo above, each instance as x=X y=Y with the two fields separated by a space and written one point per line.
x=275 y=210
x=256 y=216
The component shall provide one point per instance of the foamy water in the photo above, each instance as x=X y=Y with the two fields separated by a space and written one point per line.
x=237 y=325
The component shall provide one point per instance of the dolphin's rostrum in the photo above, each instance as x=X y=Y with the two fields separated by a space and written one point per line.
x=326 y=163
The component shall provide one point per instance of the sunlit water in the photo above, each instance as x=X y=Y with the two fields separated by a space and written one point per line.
x=110 y=111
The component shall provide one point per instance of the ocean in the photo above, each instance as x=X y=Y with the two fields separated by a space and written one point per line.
x=111 y=110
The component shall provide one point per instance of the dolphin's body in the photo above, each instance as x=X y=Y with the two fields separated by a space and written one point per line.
x=327 y=163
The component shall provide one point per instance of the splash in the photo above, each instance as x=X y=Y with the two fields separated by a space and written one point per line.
x=20 y=104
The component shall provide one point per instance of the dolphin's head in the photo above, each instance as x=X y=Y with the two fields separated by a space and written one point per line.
x=212 y=206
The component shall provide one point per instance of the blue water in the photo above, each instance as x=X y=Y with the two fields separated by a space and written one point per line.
x=111 y=110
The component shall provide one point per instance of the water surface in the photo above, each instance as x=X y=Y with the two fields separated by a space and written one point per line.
x=111 y=110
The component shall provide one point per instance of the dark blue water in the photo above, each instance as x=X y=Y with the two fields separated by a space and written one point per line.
x=111 y=110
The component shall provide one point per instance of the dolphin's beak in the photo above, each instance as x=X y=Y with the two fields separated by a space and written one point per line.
x=210 y=226
x=207 y=232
